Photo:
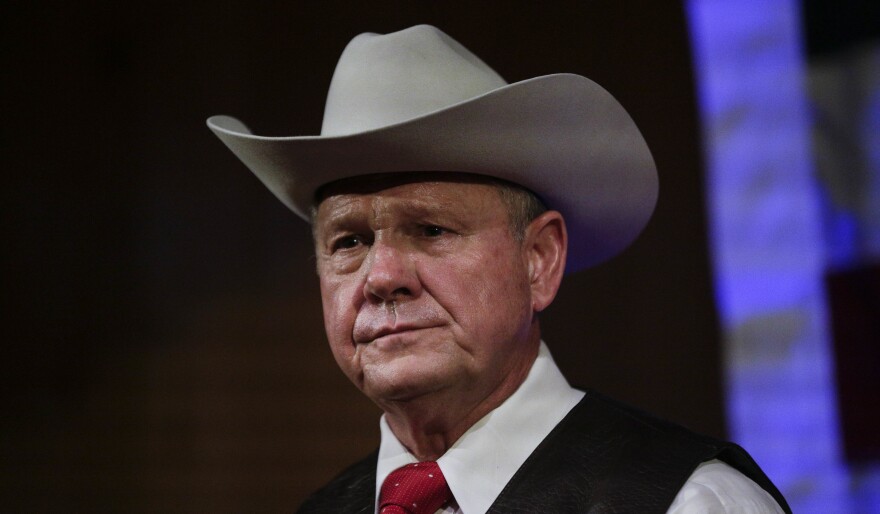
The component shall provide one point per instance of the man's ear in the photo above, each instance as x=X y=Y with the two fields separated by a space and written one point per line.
x=546 y=245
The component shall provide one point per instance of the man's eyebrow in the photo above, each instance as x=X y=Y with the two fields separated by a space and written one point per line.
x=341 y=213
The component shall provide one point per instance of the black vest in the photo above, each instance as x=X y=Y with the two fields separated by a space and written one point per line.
x=602 y=457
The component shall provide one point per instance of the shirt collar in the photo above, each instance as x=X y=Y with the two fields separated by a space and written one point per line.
x=485 y=458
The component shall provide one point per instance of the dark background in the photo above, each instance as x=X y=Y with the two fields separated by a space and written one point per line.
x=163 y=342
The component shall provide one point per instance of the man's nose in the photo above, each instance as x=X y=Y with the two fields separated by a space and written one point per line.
x=391 y=274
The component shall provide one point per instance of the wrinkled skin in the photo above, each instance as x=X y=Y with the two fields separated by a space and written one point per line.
x=429 y=301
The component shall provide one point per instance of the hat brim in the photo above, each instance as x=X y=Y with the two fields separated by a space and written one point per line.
x=562 y=136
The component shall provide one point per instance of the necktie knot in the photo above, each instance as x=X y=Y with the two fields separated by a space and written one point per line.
x=418 y=488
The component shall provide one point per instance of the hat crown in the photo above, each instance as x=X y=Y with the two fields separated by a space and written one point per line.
x=382 y=80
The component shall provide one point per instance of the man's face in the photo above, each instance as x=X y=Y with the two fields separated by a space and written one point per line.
x=424 y=288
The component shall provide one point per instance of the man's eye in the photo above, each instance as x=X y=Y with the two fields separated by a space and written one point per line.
x=347 y=242
x=434 y=231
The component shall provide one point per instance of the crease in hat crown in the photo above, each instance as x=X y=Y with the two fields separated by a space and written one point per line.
x=383 y=80
x=416 y=100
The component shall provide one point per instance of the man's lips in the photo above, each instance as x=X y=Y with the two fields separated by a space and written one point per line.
x=368 y=335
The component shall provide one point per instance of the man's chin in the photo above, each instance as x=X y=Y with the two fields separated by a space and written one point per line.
x=400 y=388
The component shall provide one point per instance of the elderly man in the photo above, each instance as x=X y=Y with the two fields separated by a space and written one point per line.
x=446 y=206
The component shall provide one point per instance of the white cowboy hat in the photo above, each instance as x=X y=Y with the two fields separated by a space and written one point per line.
x=417 y=101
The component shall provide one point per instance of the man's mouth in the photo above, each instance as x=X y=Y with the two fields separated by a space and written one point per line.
x=374 y=334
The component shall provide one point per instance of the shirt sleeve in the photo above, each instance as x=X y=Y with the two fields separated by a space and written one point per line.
x=715 y=487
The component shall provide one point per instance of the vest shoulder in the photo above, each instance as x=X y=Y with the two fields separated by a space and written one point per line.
x=597 y=412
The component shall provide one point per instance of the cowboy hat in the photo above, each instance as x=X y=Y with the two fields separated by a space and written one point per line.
x=418 y=101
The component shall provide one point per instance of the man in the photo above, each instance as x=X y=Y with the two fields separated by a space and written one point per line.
x=441 y=201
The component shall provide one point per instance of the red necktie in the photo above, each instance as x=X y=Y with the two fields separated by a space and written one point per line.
x=414 y=489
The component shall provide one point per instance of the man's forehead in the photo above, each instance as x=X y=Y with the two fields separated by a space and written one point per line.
x=423 y=194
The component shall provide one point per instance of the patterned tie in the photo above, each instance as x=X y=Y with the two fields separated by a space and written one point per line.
x=414 y=489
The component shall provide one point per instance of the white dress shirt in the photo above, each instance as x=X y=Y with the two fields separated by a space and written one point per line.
x=485 y=458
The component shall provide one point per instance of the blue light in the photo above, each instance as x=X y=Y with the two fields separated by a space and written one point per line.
x=768 y=246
